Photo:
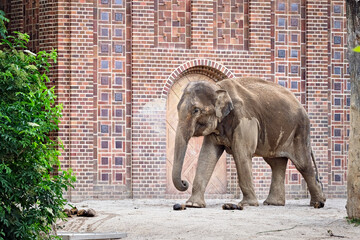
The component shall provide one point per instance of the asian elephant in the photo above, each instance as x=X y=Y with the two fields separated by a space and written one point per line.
x=247 y=117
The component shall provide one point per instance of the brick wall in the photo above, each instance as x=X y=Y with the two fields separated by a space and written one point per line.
x=118 y=60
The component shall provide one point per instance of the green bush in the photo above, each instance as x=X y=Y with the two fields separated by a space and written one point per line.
x=31 y=196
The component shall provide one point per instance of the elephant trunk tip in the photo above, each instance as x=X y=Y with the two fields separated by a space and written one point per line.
x=181 y=185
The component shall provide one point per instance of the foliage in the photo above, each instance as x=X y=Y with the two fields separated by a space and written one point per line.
x=354 y=221
x=356 y=49
x=30 y=194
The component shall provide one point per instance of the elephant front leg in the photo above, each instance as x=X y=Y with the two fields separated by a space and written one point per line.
x=243 y=166
x=244 y=146
x=209 y=155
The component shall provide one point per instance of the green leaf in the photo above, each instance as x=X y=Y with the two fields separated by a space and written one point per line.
x=356 y=49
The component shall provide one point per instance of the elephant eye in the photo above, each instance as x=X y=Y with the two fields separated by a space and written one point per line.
x=196 y=110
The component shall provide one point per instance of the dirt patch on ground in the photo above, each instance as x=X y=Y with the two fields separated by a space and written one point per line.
x=155 y=219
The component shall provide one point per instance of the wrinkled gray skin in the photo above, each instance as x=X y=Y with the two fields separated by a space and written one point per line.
x=247 y=117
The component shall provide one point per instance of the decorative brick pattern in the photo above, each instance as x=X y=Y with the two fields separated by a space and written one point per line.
x=232 y=25
x=289 y=60
x=172 y=23
x=119 y=59
x=339 y=118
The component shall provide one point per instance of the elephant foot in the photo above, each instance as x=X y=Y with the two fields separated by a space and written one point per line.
x=195 y=203
x=318 y=203
x=249 y=202
x=274 y=202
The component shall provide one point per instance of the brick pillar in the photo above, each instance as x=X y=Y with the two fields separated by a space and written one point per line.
x=15 y=15
x=128 y=87
x=202 y=24
x=317 y=81
x=75 y=91
x=62 y=82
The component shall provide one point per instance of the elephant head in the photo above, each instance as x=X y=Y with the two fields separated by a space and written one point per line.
x=202 y=106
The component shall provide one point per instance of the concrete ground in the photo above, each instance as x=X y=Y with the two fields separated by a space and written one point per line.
x=155 y=219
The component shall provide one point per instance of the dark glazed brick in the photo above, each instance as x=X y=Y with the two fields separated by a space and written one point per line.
x=294 y=177
x=281 y=53
x=281 y=22
x=104 y=129
x=281 y=6
x=337 y=162
x=118 y=96
x=104 y=32
x=118 y=32
x=118 y=177
x=119 y=65
x=118 y=113
x=104 y=64
x=337 y=102
x=118 y=48
x=337 y=9
x=104 y=161
x=337 y=178
x=282 y=83
x=294 y=53
x=337 y=86
x=105 y=177
x=118 y=129
x=104 y=96
x=118 y=81
x=281 y=68
x=104 y=48
x=104 y=80
x=294 y=22
x=118 y=16
x=281 y=37
x=337 y=132
x=337 y=147
x=118 y=161
x=104 y=112
x=104 y=16
x=337 y=70
x=337 y=117
x=294 y=69
x=337 y=40
x=337 y=24
x=294 y=7
x=118 y=144
x=104 y=144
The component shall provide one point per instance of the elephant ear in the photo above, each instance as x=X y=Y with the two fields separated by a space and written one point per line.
x=223 y=104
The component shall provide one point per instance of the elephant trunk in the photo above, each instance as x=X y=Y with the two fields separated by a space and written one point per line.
x=179 y=155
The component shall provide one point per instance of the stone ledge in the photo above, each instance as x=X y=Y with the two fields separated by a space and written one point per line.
x=88 y=236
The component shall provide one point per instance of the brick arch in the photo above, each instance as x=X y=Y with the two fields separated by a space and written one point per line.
x=210 y=68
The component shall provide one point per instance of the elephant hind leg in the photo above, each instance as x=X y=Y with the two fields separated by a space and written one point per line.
x=303 y=163
x=277 y=188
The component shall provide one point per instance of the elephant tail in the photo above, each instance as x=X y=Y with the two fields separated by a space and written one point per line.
x=316 y=169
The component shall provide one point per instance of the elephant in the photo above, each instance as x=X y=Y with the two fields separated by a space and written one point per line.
x=246 y=117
